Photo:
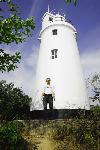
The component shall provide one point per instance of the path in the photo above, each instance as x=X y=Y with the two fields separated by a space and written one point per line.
x=46 y=144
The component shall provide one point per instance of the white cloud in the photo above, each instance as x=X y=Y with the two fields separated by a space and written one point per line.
x=32 y=59
x=91 y=65
x=25 y=74
x=33 y=9
x=91 y=62
x=90 y=41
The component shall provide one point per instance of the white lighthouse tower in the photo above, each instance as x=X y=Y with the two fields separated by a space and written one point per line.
x=59 y=60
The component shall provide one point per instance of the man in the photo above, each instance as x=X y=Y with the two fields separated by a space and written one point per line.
x=48 y=95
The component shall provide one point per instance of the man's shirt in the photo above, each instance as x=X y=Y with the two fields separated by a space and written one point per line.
x=48 y=89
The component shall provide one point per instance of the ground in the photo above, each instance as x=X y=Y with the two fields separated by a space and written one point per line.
x=43 y=136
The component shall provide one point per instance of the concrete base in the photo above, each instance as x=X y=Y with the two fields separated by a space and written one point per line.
x=58 y=113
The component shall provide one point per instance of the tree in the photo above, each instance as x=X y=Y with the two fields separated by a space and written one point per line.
x=11 y=138
x=93 y=83
x=69 y=1
x=13 y=102
x=12 y=29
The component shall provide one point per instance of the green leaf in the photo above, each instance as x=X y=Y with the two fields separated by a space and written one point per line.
x=75 y=2
x=69 y=1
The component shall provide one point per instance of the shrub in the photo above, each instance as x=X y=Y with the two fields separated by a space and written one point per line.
x=10 y=138
x=14 y=104
x=95 y=112
x=81 y=132
x=61 y=130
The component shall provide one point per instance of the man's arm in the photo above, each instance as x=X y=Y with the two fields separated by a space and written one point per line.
x=53 y=92
x=43 y=93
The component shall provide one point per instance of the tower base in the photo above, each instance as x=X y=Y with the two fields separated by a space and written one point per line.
x=58 y=114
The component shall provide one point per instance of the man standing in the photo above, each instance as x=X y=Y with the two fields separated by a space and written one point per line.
x=48 y=95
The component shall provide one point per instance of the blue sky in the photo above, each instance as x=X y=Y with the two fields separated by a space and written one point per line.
x=86 y=19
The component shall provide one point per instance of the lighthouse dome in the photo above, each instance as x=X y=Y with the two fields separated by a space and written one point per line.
x=49 y=19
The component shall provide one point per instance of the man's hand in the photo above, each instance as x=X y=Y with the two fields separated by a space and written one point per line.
x=53 y=94
x=54 y=98
x=43 y=94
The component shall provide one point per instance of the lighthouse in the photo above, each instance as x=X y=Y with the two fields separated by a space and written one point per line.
x=59 y=60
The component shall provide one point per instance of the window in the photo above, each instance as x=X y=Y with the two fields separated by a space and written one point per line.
x=54 y=32
x=54 y=53
x=61 y=18
x=50 y=19
x=75 y=36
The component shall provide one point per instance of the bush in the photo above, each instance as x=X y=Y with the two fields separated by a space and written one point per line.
x=10 y=138
x=61 y=130
x=95 y=112
x=86 y=134
x=14 y=104
x=81 y=132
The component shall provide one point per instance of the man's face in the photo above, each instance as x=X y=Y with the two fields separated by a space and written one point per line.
x=48 y=82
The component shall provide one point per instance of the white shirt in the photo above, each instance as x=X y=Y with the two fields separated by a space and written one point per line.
x=48 y=89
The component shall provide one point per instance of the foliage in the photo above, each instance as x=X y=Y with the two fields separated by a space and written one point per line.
x=11 y=138
x=79 y=131
x=71 y=134
x=95 y=112
x=67 y=145
x=69 y=1
x=93 y=83
x=7 y=61
x=12 y=29
x=13 y=102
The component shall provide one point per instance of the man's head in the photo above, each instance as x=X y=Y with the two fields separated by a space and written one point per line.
x=48 y=81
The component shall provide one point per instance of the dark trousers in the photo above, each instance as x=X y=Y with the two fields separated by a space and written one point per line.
x=48 y=99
